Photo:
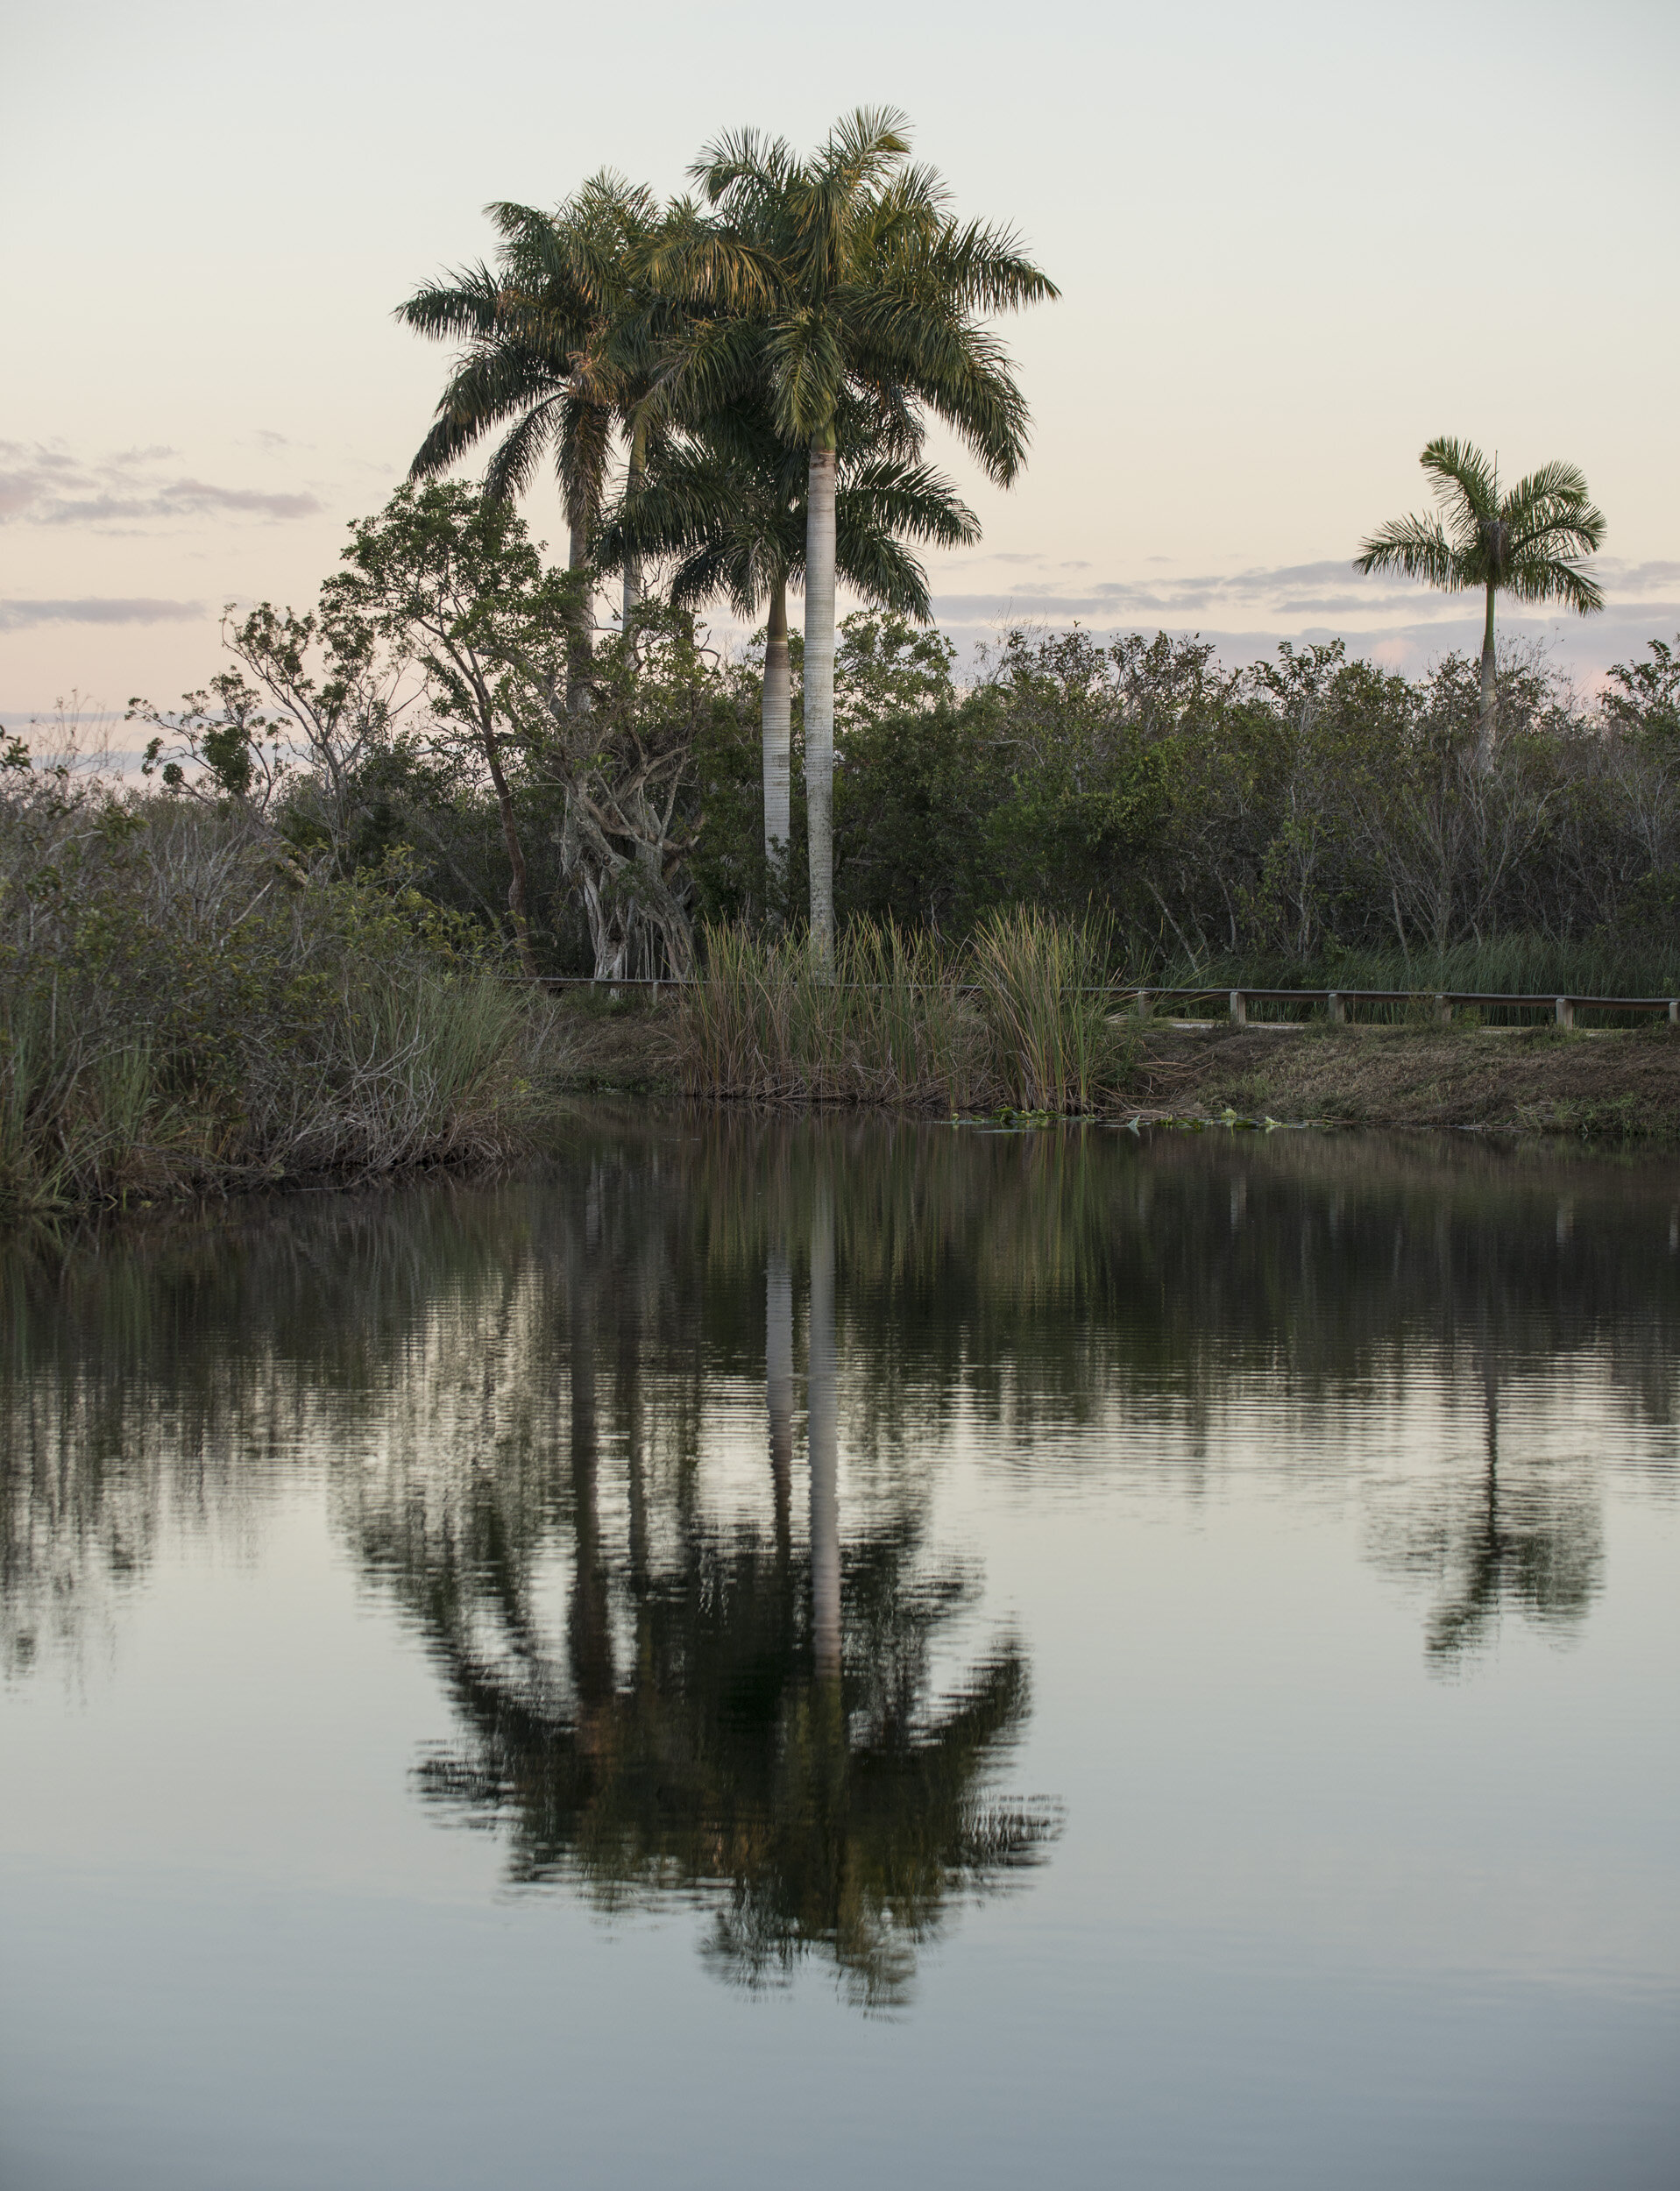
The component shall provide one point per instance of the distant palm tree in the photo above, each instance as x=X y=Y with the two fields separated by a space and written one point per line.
x=728 y=503
x=1527 y=543
x=839 y=277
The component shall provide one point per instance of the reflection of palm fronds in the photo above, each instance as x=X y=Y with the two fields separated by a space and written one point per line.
x=836 y=1822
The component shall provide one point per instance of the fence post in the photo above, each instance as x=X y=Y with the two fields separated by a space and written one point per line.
x=1144 y=1008
x=1238 y=1009
x=1565 y=1011
x=1338 y=1008
x=1442 y=1010
x=1674 y=1011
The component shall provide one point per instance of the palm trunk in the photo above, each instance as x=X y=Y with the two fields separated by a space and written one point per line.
x=778 y=1389
x=777 y=717
x=580 y=654
x=591 y=1635
x=631 y=563
x=516 y=888
x=822 y=1432
x=820 y=699
x=1490 y=704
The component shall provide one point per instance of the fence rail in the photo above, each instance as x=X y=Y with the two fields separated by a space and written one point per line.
x=1144 y=998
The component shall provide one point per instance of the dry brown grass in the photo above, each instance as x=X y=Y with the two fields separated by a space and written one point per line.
x=1526 y=1081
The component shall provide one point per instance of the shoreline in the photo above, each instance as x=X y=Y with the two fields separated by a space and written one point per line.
x=1601 y=1084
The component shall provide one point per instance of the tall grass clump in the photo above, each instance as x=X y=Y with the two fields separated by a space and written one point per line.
x=184 y=1006
x=1054 y=1047
x=764 y=1022
x=906 y=1021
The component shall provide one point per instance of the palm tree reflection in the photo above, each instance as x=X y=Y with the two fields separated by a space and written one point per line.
x=1538 y=1550
x=751 y=1721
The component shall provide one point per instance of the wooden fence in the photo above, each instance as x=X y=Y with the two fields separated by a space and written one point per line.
x=1335 y=1003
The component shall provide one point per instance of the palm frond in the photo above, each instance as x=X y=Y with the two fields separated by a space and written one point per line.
x=879 y=568
x=905 y=499
x=807 y=372
x=488 y=388
x=465 y=305
x=1541 y=578
x=984 y=268
x=1417 y=547
x=513 y=465
x=1463 y=478
x=1549 y=508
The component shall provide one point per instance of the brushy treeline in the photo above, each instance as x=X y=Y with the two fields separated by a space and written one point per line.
x=1306 y=818
x=186 y=1005
x=1310 y=818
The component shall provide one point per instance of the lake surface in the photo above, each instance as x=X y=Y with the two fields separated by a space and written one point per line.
x=839 y=1652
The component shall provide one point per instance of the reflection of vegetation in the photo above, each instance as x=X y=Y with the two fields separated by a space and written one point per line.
x=1528 y=1538
x=169 y=1377
x=680 y=1726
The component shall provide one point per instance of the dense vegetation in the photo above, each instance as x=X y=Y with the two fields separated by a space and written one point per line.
x=187 y=1004
x=284 y=958
x=1310 y=817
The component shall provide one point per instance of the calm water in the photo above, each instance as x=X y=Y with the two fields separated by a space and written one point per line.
x=841 y=1655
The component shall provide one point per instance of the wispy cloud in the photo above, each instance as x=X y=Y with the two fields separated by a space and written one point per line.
x=44 y=486
x=21 y=615
x=1286 y=594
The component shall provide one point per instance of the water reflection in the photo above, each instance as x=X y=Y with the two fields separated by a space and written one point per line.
x=644 y=1451
x=1533 y=1545
x=716 y=1710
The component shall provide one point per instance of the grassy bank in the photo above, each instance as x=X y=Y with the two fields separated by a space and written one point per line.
x=185 y=1007
x=1006 y=1024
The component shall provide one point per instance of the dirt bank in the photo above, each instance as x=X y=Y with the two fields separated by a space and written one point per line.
x=1615 y=1085
x=1533 y=1080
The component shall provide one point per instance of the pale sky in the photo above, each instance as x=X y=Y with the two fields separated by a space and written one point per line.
x=1293 y=243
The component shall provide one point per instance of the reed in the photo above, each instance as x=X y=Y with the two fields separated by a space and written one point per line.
x=905 y=1022
x=1053 y=1045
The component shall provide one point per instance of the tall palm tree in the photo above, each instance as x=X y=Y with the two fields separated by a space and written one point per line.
x=841 y=277
x=1527 y=543
x=555 y=353
x=727 y=502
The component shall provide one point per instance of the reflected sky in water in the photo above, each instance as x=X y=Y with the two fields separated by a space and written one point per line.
x=774 y=1650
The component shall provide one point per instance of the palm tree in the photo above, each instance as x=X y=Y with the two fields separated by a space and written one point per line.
x=1527 y=543
x=841 y=277
x=728 y=502
x=555 y=353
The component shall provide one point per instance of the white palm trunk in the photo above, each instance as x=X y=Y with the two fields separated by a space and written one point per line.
x=777 y=720
x=819 y=701
x=778 y=1384
x=822 y=1430
x=1485 y=729
x=633 y=586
